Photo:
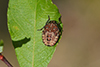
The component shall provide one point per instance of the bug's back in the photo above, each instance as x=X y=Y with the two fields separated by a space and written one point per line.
x=50 y=33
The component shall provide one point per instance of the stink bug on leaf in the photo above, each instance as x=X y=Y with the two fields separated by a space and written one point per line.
x=51 y=32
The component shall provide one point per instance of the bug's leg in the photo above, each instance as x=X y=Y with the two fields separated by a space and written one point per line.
x=40 y=29
x=59 y=20
x=59 y=33
x=48 y=19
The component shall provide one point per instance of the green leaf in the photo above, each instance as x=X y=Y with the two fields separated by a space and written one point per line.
x=1 y=46
x=25 y=17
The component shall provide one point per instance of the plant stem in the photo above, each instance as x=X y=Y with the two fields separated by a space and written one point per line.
x=5 y=60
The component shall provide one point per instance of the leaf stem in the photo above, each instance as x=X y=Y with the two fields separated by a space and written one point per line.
x=5 y=60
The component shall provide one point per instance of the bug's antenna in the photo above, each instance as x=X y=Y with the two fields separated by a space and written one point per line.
x=48 y=19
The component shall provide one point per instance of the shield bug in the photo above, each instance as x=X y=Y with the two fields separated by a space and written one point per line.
x=51 y=32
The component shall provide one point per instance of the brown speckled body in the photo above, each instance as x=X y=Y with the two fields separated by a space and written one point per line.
x=50 y=33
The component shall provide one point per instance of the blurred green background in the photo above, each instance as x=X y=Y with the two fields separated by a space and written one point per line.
x=80 y=43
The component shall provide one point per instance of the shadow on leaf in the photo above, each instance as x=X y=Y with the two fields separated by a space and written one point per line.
x=20 y=42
